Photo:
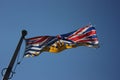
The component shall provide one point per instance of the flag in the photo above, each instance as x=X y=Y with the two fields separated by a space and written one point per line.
x=85 y=36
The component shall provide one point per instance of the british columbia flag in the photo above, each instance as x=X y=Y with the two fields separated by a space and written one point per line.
x=85 y=36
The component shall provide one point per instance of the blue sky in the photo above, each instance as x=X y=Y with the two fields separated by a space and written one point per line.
x=52 y=17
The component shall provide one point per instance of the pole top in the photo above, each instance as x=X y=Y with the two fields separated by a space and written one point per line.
x=24 y=32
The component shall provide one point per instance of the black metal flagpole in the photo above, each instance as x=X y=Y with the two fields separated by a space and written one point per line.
x=11 y=64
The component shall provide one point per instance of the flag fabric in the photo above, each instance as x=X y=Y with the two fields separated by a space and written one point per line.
x=85 y=36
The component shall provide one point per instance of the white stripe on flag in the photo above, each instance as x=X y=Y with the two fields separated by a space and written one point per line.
x=32 y=52
x=35 y=48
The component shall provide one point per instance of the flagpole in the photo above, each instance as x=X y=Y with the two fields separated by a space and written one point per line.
x=11 y=64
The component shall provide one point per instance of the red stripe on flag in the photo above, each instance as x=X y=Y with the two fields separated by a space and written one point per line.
x=36 y=40
x=83 y=35
x=81 y=29
x=77 y=32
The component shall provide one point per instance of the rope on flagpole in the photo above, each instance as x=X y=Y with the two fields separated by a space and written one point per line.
x=11 y=73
